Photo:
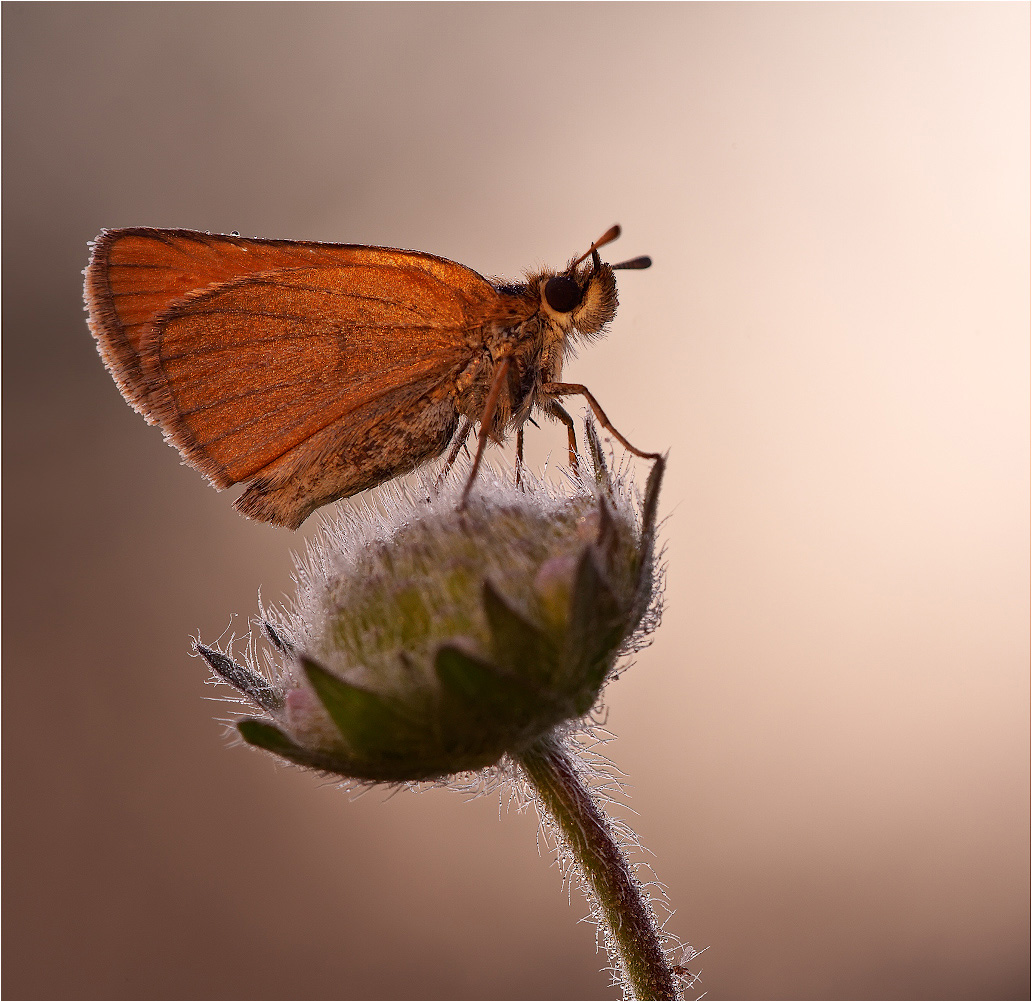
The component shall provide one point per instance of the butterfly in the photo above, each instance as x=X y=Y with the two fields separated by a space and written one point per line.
x=313 y=371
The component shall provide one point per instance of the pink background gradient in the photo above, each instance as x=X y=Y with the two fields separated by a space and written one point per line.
x=828 y=742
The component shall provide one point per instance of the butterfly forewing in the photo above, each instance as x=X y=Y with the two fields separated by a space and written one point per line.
x=261 y=355
x=136 y=274
x=242 y=374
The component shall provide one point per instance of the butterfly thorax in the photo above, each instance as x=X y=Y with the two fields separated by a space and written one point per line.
x=524 y=337
x=535 y=338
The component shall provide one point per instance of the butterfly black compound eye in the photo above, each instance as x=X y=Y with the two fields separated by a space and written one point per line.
x=562 y=293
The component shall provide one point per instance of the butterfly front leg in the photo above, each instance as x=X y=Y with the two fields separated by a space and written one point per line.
x=572 y=389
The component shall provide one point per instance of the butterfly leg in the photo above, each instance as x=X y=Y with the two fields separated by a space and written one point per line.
x=519 y=454
x=490 y=406
x=560 y=413
x=460 y=441
x=576 y=389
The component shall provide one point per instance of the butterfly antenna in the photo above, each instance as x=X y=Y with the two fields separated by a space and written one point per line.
x=607 y=238
x=635 y=264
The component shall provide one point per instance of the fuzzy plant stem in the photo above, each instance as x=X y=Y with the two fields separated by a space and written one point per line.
x=631 y=924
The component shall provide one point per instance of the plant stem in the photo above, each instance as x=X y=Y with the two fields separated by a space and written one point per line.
x=632 y=926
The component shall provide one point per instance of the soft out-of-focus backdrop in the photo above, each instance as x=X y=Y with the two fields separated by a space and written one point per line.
x=827 y=742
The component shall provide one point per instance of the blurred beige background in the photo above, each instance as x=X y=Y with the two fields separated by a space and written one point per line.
x=827 y=742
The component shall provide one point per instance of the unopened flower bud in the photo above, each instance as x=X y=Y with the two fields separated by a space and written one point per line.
x=428 y=641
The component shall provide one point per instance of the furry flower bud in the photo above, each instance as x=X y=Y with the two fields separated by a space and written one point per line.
x=426 y=641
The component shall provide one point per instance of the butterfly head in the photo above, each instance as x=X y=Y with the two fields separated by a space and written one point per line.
x=582 y=299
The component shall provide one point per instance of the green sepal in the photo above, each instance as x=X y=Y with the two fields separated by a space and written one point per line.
x=608 y=538
x=647 y=546
x=517 y=645
x=268 y=737
x=262 y=734
x=480 y=691
x=597 y=625
x=367 y=722
x=650 y=503
x=598 y=459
